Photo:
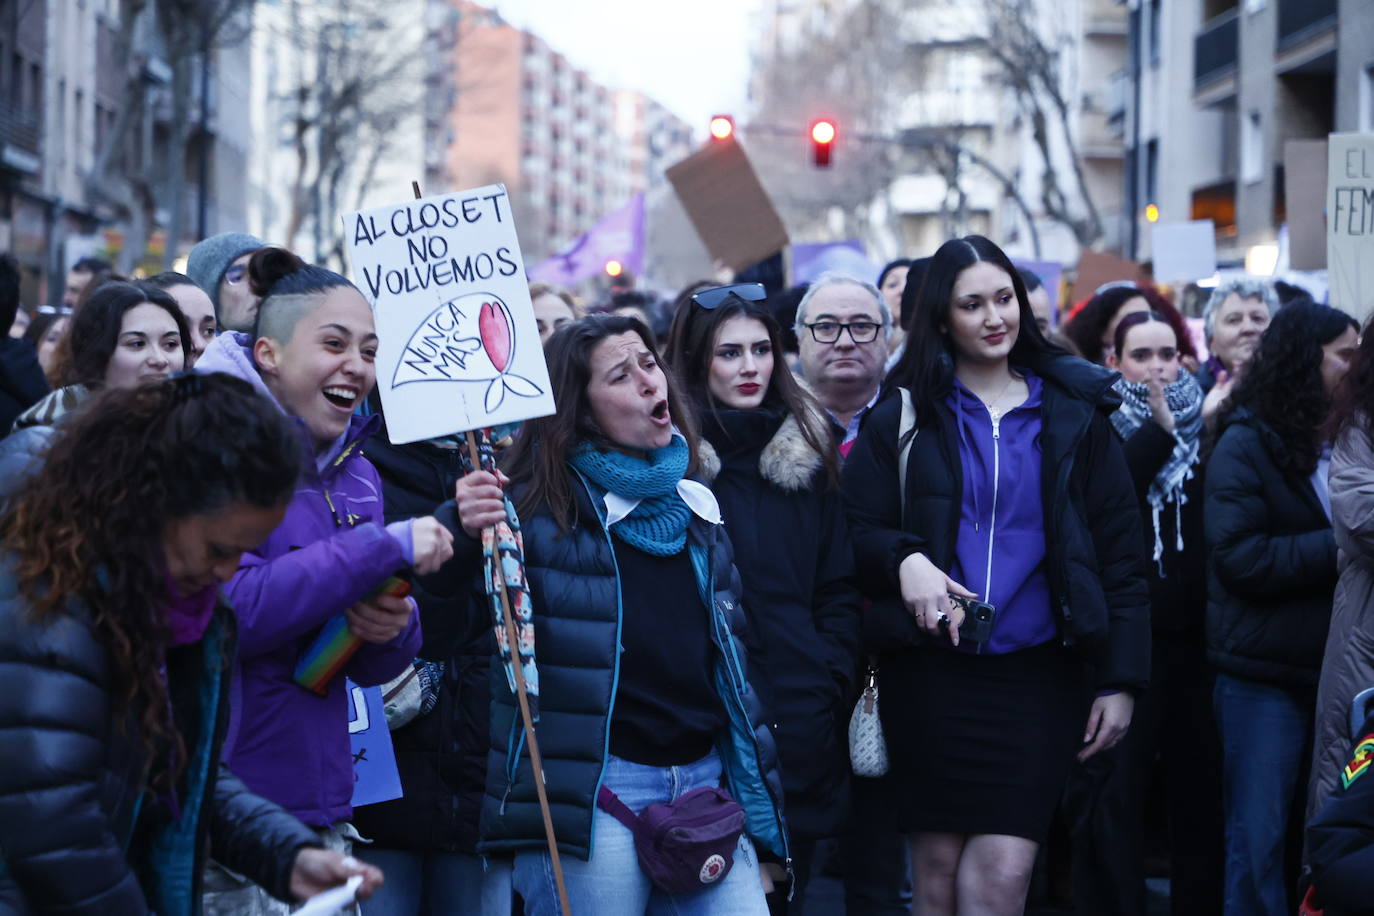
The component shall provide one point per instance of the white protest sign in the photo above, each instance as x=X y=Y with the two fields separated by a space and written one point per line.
x=459 y=347
x=1350 y=222
x=1184 y=251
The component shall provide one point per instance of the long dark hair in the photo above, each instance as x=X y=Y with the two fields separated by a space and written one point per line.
x=1283 y=384
x=93 y=335
x=927 y=363
x=691 y=347
x=1352 y=404
x=88 y=527
x=543 y=445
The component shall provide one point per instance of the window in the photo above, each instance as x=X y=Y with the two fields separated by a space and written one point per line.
x=1152 y=172
x=78 y=127
x=1251 y=148
x=1156 y=13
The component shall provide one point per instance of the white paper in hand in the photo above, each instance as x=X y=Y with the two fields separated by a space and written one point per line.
x=333 y=900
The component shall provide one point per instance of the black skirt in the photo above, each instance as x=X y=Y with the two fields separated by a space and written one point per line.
x=981 y=744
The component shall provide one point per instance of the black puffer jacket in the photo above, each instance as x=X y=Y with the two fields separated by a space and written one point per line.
x=792 y=546
x=575 y=591
x=441 y=755
x=21 y=380
x=1272 y=566
x=78 y=831
x=1094 y=542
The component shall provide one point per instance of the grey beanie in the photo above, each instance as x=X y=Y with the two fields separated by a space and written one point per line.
x=211 y=257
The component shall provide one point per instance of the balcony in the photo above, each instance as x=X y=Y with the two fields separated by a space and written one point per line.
x=1307 y=36
x=1301 y=20
x=1216 y=55
x=20 y=140
x=1100 y=137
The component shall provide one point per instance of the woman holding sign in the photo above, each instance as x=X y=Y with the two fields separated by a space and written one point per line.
x=644 y=711
x=117 y=654
x=312 y=355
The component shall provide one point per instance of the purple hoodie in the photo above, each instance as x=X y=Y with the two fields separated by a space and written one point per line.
x=331 y=550
x=1000 y=550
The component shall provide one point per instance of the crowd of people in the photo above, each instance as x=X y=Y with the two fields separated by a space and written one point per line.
x=1106 y=592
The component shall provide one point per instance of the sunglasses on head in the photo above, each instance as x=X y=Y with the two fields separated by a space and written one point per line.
x=716 y=295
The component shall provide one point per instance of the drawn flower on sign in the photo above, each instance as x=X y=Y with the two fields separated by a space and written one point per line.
x=468 y=339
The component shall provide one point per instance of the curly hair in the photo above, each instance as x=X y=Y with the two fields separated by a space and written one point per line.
x=1086 y=328
x=1283 y=386
x=88 y=527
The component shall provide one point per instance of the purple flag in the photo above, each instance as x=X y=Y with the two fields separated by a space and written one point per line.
x=619 y=236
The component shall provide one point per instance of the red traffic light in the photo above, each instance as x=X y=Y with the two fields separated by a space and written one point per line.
x=822 y=139
x=722 y=127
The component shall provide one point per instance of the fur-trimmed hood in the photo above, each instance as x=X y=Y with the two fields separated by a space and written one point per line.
x=788 y=461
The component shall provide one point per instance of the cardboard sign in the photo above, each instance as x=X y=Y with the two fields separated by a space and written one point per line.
x=1095 y=269
x=1183 y=252
x=459 y=346
x=375 y=777
x=1350 y=223
x=728 y=206
x=1304 y=201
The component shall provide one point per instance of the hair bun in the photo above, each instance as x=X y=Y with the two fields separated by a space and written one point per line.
x=268 y=265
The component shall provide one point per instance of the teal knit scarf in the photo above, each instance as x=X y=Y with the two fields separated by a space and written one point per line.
x=658 y=525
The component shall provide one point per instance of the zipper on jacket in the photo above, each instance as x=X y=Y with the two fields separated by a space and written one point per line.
x=992 y=525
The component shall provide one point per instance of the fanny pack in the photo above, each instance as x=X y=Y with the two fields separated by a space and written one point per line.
x=684 y=845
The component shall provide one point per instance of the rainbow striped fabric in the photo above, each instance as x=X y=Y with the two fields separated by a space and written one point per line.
x=1364 y=756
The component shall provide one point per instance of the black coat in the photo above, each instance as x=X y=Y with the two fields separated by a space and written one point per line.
x=1178 y=583
x=1272 y=564
x=441 y=755
x=796 y=563
x=21 y=380
x=1094 y=542
x=1340 y=839
x=74 y=837
x=574 y=589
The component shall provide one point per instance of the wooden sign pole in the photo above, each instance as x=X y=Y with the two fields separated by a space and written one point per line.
x=513 y=641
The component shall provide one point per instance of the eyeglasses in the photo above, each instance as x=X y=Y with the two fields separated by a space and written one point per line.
x=53 y=310
x=860 y=332
x=716 y=295
x=235 y=273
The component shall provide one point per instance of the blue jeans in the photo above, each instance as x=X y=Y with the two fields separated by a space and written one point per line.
x=428 y=884
x=1266 y=736
x=611 y=883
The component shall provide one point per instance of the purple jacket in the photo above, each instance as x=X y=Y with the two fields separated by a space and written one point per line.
x=1000 y=549
x=330 y=551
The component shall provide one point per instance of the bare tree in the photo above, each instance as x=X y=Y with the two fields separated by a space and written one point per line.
x=160 y=42
x=1031 y=65
x=355 y=81
x=852 y=69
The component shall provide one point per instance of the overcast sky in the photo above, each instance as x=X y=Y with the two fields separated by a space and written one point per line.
x=691 y=56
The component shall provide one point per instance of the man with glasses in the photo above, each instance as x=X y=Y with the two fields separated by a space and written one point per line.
x=842 y=328
x=219 y=265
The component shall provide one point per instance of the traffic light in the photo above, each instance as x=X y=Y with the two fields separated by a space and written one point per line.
x=722 y=127
x=822 y=139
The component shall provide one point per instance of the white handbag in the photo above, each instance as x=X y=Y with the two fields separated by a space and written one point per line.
x=867 y=746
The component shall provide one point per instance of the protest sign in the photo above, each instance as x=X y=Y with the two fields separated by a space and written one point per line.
x=1350 y=223
x=459 y=346
x=731 y=211
x=1051 y=274
x=1095 y=269
x=1304 y=203
x=1183 y=252
x=375 y=777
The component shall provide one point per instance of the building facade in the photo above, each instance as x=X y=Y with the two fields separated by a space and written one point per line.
x=568 y=149
x=1218 y=87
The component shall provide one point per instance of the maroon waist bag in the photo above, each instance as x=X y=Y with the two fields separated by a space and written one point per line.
x=685 y=845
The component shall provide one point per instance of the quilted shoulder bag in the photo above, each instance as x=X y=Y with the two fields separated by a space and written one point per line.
x=867 y=746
